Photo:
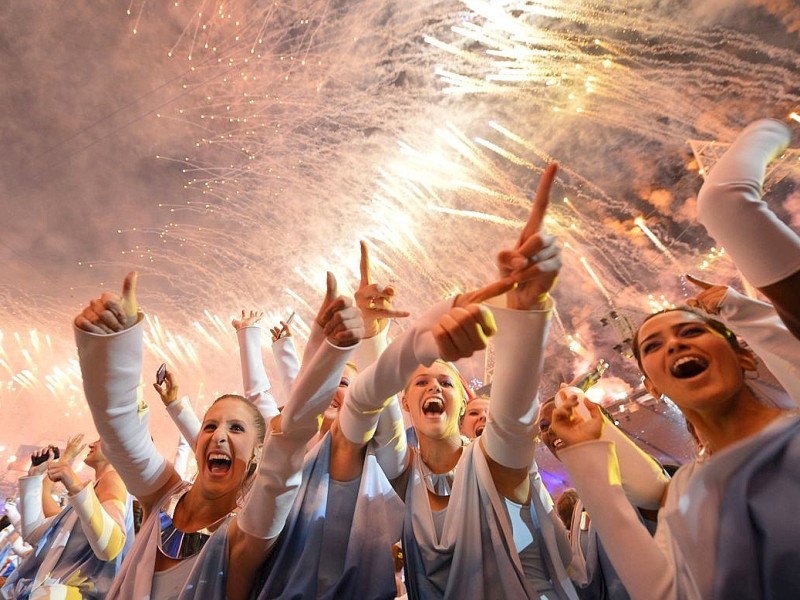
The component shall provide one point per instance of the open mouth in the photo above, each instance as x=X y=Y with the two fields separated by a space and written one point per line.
x=433 y=406
x=218 y=463
x=479 y=430
x=688 y=366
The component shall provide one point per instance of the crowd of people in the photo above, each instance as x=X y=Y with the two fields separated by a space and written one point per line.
x=379 y=474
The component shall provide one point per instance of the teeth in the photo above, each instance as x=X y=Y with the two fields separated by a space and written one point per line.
x=433 y=404
x=218 y=456
x=688 y=366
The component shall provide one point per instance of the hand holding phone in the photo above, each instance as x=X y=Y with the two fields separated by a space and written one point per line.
x=161 y=374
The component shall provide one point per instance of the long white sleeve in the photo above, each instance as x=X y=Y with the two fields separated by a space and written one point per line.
x=185 y=419
x=255 y=382
x=111 y=366
x=764 y=331
x=280 y=469
x=643 y=479
x=519 y=356
x=730 y=206
x=13 y=515
x=647 y=572
x=287 y=363
x=30 y=505
x=374 y=388
x=182 y=454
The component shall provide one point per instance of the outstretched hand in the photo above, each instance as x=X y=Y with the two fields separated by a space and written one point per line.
x=529 y=270
x=168 y=391
x=463 y=331
x=281 y=332
x=247 y=320
x=570 y=426
x=710 y=298
x=111 y=313
x=340 y=321
x=374 y=300
x=74 y=447
x=534 y=263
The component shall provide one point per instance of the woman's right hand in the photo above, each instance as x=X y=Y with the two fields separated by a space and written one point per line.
x=341 y=322
x=572 y=428
x=40 y=469
x=168 y=391
x=111 y=313
x=463 y=331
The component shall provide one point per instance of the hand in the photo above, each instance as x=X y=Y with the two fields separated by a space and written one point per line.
x=111 y=313
x=463 y=331
x=247 y=321
x=535 y=261
x=710 y=299
x=41 y=468
x=281 y=332
x=374 y=300
x=73 y=449
x=168 y=391
x=341 y=322
x=59 y=470
x=570 y=427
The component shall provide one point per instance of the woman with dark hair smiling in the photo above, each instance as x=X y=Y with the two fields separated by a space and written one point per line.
x=725 y=529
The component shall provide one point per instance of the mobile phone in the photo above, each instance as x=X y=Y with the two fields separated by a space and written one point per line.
x=288 y=322
x=38 y=460
x=161 y=374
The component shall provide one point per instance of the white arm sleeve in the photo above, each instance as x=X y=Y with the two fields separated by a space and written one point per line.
x=285 y=354
x=280 y=468
x=730 y=207
x=111 y=366
x=643 y=479
x=645 y=570
x=182 y=455
x=373 y=389
x=254 y=377
x=30 y=504
x=764 y=331
x=185 y=419
x=519 y=356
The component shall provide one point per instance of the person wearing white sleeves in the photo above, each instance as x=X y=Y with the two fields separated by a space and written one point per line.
x=725 y=529
x=478 y=522
x=79 y=551
x=730 y=206
x=174 y=553
x=762 y=329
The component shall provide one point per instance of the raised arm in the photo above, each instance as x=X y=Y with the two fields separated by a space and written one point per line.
x=109 y=335
x=759 y=325
x=101 y=510
x=592 y=464
x=285 y=354
x=730 y=206
x=31 y=496
x=179 y=409
x=374 y=301
x=522 y=327
x=255 y=382
x=255 y=529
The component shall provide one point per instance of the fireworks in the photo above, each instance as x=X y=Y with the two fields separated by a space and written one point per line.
x=421 y=127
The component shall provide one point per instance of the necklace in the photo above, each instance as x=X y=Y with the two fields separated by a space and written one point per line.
x=178 y=544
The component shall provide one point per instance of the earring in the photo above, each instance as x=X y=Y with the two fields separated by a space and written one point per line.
x=751 y=375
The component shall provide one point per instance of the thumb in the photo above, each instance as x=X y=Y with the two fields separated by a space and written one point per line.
x=593 y=408
x=129 y=303
x=332 y=289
